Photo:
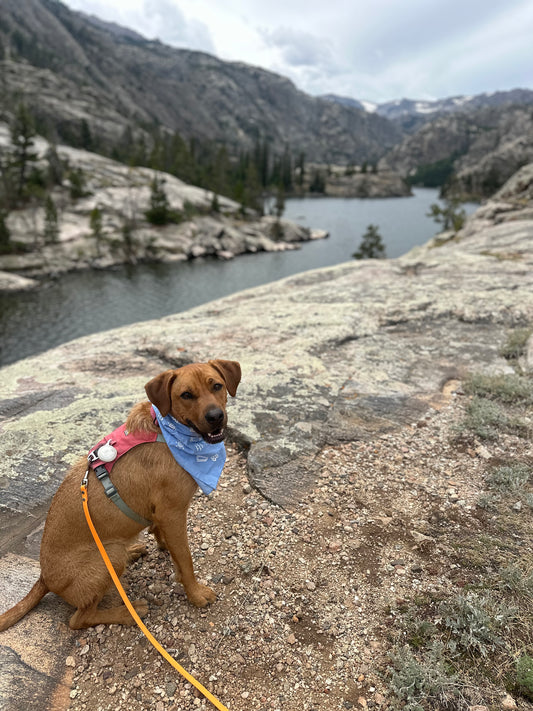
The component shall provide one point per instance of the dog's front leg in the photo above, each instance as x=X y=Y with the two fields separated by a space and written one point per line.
x=174 y=531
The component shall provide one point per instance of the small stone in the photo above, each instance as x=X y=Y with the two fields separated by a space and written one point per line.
x=73 y=693
x=478 y=708
x=84 y=650
x=170 y=688
x=483 y=452
x=420 y=537
x=70 y=662
x=508 y=702
x=517 y=506
x=246 y=489
x=310 y=585
x=245 y=694
x=361 y=677
x=334 y=546
x=362 y=702
x=291 y=639
x=379 y=698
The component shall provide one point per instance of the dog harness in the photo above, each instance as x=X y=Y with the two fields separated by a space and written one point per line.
x=203 y=461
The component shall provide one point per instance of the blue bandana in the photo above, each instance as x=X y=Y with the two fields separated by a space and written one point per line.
x=203 y=461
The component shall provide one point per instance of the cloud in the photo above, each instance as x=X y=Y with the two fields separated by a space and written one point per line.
x=166 y=22
x=297 y=48
x=377 y=51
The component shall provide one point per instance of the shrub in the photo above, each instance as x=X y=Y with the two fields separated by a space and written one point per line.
x=515 y=345
x=424 y=678
x=505 y=388
x=485 y=418
x=510 y=477
x=475 y=623
x=524 y=676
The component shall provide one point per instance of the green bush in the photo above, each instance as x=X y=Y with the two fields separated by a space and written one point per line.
x=509 y=477
x=485 y=418
x=505 y=388
x=475 y=623
x=515 y=345
x=423 y=681
x=524 y=676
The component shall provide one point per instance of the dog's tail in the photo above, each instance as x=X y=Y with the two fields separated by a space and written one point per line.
x=17 y=612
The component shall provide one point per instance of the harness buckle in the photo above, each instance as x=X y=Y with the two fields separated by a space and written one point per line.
x=101 y=474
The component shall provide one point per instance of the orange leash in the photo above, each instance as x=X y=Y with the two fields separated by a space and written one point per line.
x=163 y=652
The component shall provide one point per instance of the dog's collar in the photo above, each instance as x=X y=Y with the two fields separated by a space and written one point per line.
x=203 y=461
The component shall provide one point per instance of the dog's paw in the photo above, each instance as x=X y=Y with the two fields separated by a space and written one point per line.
x=141 y=607
x=201 y=595
x=135 y=551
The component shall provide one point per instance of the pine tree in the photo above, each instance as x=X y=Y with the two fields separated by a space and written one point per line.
x=450 y=216
x=51 y=221
x=371 y=246
x=159 y=212
x=5 y=235
x=22 y=134
x=95 y=223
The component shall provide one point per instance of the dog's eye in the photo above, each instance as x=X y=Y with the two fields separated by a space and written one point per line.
x=217 y=386
x=186 y=395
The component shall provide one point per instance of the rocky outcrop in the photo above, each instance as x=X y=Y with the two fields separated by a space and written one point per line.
x=122 y=195
x=129 y=81
x=367 y=185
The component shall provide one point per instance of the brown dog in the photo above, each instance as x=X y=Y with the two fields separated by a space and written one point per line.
x=151 y=483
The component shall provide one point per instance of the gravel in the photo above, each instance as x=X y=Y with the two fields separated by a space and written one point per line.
x=306 y=596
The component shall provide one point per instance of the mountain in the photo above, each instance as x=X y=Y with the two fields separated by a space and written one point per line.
x=410 y=114
x=367 y=106
x=76 y=71
x=476 y=150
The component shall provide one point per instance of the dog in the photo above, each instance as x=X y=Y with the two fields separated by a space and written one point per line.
x=151 y=482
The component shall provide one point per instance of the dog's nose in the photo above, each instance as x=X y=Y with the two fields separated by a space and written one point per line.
x=214 y=416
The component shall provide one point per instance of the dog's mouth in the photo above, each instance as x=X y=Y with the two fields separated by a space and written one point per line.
x=213 y=437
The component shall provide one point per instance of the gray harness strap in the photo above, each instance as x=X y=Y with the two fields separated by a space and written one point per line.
x=111 y=492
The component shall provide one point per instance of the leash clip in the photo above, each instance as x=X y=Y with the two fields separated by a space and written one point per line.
x=85 y=479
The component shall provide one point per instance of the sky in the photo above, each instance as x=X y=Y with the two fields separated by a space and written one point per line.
x=373 y=50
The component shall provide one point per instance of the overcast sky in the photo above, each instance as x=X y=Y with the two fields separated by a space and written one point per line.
x=376 y=50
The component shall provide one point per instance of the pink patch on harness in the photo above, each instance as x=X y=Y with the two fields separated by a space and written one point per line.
x=122 y=441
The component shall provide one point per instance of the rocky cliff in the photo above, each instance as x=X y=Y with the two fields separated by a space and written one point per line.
x=69 y=68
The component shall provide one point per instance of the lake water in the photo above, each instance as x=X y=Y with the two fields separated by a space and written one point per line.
x=86 y=302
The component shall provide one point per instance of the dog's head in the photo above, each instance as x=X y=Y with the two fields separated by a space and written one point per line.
x=196 y=395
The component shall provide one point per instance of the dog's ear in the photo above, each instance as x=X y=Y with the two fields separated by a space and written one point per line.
x=158 y=391
x=230 y=371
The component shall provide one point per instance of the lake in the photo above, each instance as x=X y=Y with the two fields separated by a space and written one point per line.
x=87 y=302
